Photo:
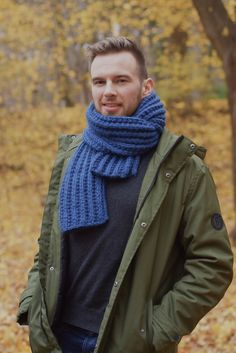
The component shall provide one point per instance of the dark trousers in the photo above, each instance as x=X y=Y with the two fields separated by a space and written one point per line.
x=72 y=339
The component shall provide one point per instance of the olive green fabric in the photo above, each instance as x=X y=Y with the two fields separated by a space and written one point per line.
x=176 y=266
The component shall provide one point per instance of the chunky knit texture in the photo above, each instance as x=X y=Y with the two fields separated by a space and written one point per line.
x=111 y=147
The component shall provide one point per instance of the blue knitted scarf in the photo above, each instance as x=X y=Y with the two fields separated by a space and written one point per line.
x=111 y=148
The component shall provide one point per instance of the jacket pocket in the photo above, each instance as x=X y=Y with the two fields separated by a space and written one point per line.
x=147 y=330
x=170 y=348
x=41 y=337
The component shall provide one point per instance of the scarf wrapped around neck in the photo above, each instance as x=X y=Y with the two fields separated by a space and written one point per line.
x=111 y=148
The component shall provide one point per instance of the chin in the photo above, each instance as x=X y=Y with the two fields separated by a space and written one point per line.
x=106 y=113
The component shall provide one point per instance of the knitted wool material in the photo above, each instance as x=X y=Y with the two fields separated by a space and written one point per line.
x=111 y=148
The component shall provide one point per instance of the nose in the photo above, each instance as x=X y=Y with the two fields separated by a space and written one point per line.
x=109 y=89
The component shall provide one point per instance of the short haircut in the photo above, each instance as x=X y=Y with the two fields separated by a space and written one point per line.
x=116 y=45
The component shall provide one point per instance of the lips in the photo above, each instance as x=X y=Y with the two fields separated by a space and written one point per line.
x=111 y=107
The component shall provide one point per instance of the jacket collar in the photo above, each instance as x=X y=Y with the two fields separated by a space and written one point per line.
x=171 y=154
x=166 y=144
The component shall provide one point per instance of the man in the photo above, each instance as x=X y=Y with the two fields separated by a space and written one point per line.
x=133 y=250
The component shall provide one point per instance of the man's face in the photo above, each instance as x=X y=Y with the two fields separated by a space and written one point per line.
x=116 y=85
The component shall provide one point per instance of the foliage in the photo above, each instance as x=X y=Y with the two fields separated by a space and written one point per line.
x=27 y=150
x=42 y=60
x=42 y=57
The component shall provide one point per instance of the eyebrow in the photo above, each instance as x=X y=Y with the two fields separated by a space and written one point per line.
x=97 y=78
x=116 y=76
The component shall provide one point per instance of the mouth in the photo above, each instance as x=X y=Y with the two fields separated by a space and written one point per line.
x=111 y=107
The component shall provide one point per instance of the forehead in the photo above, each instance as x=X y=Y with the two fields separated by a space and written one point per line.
x=121 y=63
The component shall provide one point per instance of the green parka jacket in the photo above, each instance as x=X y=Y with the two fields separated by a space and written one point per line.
x=176 y=266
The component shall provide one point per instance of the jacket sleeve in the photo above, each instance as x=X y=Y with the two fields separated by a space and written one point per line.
x=65 y=142
x=33 y=277
x=27 y=294
x=207 y=266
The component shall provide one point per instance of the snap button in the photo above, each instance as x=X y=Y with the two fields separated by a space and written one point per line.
x=192 y=146
x=116 y=284
x=142 y=330
x=51 y=268
x=143 y=224
x=168 y=175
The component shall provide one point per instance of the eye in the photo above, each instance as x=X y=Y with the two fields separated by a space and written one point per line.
x=121 y=80
x=98 y=82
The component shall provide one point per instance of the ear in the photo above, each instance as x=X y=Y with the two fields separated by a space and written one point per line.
x=148 y=85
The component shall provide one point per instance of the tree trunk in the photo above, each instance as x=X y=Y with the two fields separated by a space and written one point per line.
x=230 y=71
x=221 y=31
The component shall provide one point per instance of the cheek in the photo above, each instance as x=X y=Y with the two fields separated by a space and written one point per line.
x=95 y=97
x=95 y=92
x=134 y=97
x=131 y=102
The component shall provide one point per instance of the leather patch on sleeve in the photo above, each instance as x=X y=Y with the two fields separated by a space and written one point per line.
x=217 y=221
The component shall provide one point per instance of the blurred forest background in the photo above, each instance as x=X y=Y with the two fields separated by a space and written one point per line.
x=44 y=90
